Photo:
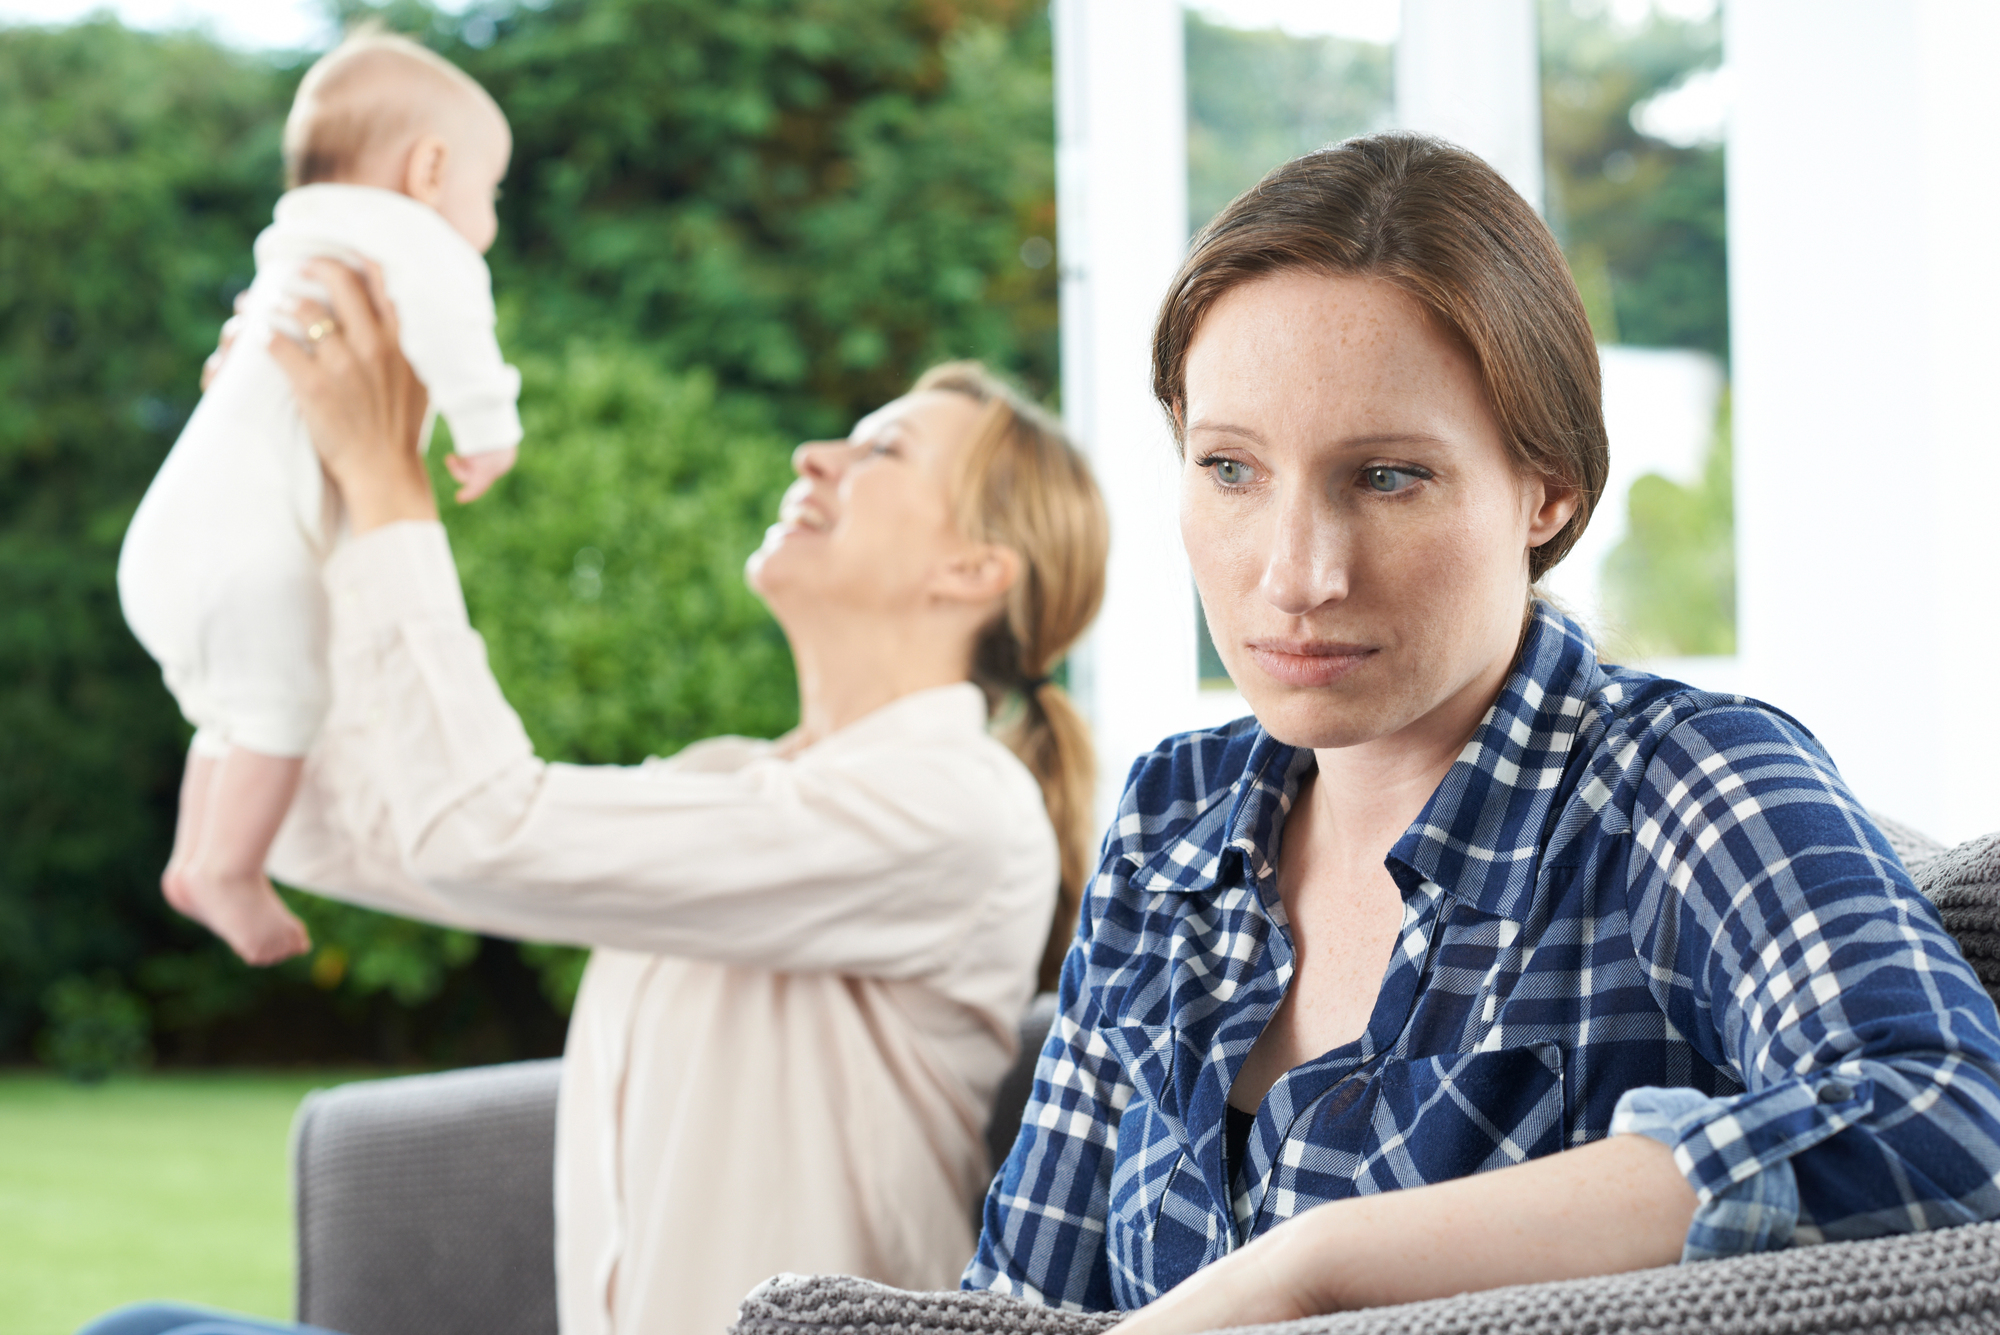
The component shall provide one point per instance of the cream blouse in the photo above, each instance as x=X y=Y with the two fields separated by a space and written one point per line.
x=806 y=973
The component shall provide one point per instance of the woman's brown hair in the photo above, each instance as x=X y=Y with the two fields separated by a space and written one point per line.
x=1446 y=228
x=1023 y=486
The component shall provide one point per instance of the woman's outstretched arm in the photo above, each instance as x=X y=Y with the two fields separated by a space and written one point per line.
x=423 y=794
x=1614 y=1206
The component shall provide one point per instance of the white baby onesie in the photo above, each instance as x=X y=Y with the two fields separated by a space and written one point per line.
x=220 y=572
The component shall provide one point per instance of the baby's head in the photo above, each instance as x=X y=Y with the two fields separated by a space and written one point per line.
x=380 y=110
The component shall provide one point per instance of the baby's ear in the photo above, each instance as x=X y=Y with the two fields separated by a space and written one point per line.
x=423 y=170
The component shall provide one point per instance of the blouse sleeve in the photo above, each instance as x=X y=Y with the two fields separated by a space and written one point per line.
x=1788 y=944
x=424 y=796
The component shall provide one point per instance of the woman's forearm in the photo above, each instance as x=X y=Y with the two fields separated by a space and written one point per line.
x=1618 y=1205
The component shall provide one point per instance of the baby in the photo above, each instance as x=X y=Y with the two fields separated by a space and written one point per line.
x=393 y=155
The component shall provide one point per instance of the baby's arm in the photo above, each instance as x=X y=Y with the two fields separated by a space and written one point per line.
x=474 y=473
x=448 y=336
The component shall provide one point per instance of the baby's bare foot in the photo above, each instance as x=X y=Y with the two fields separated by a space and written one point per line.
x=244 y=911
x=178 y=889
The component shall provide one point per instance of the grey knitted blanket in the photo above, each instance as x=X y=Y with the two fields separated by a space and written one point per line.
x=1947 y=1281
x=1964 y=883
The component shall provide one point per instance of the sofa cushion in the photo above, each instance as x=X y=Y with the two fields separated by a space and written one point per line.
x=425 y=1203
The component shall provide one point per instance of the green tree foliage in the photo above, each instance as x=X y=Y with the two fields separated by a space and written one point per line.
x=1672 y=581
x=1258 y=99
x=133 y=173
x=813 y=198
x=96 y=1026
x=1641 y=221
x=727 y=227
x=607 y=573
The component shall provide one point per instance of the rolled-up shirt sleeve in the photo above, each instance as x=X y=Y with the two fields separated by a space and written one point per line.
x=1787 y=942
x=424 y=796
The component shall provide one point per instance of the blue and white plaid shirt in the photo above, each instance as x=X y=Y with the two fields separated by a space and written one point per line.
x=1630 y=906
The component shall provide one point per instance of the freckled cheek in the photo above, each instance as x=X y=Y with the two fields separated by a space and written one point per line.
x=1222 y=549
x=1454 y=581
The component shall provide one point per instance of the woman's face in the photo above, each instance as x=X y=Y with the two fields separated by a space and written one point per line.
x=1357 y=528
x=868 y=525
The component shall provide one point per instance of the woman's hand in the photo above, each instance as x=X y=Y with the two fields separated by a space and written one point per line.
x=1616 y=1205
x=361 y=401
x=211 y=366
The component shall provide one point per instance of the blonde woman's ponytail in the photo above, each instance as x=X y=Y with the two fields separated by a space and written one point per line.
x=1058 y=752
x=1023 y=485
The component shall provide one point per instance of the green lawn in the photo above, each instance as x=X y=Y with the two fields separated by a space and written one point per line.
x=159 y=1186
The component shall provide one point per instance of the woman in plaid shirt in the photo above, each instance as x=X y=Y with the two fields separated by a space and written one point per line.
x=1467 y=961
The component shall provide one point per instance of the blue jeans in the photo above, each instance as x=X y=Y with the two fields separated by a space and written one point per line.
x=180 y=1319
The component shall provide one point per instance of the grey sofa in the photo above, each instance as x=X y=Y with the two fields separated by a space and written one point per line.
x=425 y=1203
x=425 y=1208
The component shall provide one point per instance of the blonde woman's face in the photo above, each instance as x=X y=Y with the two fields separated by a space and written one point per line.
x=869 y=521
x=1358 y=530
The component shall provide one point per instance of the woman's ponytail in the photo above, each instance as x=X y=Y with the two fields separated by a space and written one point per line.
x=1054 y=742
x=1023 y=485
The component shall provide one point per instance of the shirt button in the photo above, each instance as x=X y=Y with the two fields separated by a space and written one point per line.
x=1834 y=1092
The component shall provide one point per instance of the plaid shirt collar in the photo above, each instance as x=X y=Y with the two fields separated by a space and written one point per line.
x=1480 y=836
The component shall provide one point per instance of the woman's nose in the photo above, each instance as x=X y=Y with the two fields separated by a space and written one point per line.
x=819 y=459
x=1306 y=556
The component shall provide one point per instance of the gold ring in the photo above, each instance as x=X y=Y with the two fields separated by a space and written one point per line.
x=319 y=329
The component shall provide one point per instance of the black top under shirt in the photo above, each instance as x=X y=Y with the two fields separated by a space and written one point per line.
x=1236 y=1136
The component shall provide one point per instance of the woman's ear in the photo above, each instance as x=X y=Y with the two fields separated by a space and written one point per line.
x=1552 y=505
x=423 y=170
x=979 y=573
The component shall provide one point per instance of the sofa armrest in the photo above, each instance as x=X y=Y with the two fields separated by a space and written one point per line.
x=426 y=1204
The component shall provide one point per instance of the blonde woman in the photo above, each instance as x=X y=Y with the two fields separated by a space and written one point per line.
x=811 y=954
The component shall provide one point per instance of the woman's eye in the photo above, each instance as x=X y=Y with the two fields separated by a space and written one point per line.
x=1387 y=481
x=1230 y=473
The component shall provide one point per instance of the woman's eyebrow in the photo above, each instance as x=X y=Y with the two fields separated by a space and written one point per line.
x=1371 y=440
x=1226 y=429
x=1391 y=438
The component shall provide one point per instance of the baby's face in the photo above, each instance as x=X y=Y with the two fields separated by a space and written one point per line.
x=472 y=172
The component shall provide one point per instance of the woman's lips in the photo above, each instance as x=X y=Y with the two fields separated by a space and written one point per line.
x=801 y=517
x=1307 y=662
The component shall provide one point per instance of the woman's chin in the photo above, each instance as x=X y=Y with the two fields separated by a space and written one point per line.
x=763 y=572
x=1323 y=718
x=772 y=564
